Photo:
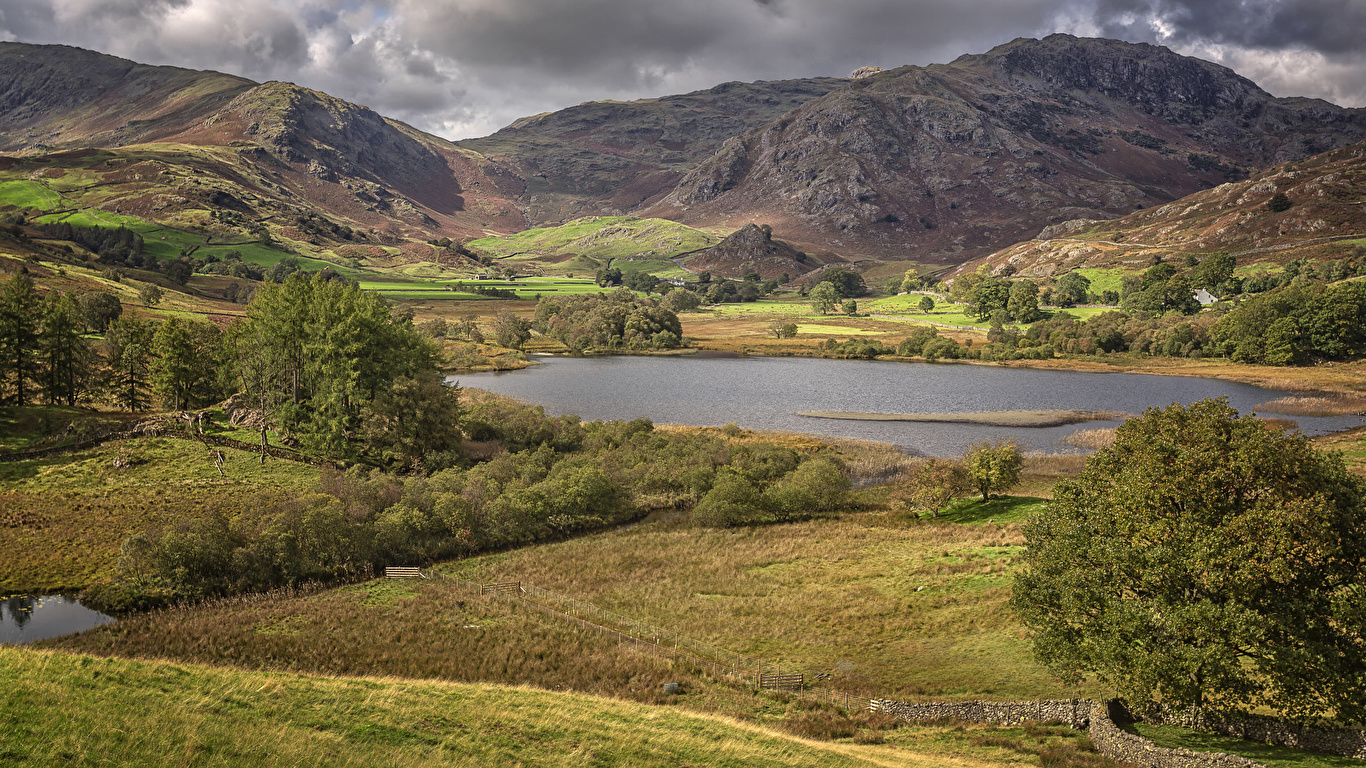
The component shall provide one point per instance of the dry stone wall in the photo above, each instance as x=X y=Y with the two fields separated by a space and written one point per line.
x=1074 y=712
x=1116 y=743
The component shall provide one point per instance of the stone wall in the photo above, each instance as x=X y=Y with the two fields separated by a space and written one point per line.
x=1116 y=743
x=1074 y=712
x=1347 y=742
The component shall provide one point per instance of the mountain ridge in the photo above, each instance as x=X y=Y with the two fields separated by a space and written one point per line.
x=936 y=164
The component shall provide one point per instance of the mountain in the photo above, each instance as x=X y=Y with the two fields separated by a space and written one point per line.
x=1323 y=218
x=614 y=157
x=164 y=142
x=949 y=162
x=937 y=164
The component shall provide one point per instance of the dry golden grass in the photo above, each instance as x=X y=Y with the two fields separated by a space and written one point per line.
x=1315 y=405
x=65 y=709
x=839 y=596
x=1094 y=439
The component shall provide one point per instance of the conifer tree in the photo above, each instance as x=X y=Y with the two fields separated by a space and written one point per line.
x=19 y=326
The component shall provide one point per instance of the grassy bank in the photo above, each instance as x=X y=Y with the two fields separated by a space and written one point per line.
x=78 y=710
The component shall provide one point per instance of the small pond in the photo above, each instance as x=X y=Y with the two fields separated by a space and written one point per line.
x=768 y=392
x=26 y=618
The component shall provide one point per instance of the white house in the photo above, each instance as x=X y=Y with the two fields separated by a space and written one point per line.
x=1205 y=297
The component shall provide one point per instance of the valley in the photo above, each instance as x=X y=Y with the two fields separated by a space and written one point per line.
x=803 y=371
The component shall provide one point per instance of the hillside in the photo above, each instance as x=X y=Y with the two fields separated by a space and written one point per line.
x=164 y=142
x=592 y=242
x=1325 y=220
x=614 y=157
x=949 y=162
x=61 y=708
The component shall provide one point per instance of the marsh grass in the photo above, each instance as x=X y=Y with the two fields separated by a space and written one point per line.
x=839 y=595
x=1093 y=439
x=64 y=709
x=1315 y=405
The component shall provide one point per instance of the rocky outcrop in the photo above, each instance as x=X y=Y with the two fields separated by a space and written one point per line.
x=752 y=249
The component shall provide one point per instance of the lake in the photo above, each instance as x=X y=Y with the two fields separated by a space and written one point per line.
x=767 y=393
x=26 y=618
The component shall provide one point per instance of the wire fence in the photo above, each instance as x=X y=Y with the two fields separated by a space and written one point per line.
x=665 y=644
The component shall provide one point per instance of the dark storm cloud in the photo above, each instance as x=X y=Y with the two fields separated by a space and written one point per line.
x=1326 y=26
x=467 y=67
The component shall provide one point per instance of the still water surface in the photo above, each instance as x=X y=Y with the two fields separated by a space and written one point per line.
x=767 y=393
x=26 y=618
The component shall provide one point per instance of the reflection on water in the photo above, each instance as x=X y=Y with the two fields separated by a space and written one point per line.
x=767 y=393
x=26 y=618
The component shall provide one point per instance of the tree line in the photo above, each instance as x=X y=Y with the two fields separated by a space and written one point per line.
x=522 y=477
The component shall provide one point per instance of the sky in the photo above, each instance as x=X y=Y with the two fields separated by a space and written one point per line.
x=464 y=68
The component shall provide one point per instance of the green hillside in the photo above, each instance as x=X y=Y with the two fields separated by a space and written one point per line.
x=599 y=238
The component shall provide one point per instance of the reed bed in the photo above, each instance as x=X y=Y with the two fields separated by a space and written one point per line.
x=1093 y=439
x=1316 y=405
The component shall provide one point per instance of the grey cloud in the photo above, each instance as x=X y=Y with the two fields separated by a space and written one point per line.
x=468 y=67
x=1326 y=26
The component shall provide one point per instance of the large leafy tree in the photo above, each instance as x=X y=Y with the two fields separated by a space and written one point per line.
x=1205 y=560
x=993 y=467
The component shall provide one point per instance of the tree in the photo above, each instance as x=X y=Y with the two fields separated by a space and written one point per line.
x=1023 y=305
x=926 y=304
x=991 y=295
x=848 y=284
x=128 y=349
x=150 y=295
x=681 y=301
x=993 y=467
x=99 y=310
x=414 y=417
x=783 y=330
x=1213 y=271
x=935 y=483
x=66 y=360
x=824 y=297
x=19 y=327
x=849 y=307
x=1208 y=561
x=1072 y=290
x=511 y=331
x=187 y=363
x=1278 y=203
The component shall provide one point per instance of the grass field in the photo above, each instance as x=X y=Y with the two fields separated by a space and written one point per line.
x=601 y=237
x=65 y=709
x=1269 y=755
x=795 y=594
x=29 y=194
x=68 y=514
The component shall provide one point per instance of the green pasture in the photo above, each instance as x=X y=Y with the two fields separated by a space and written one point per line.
x=29 y=194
